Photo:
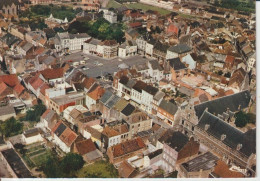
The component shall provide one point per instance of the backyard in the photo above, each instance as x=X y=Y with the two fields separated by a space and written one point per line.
x=35 y=154
x=99 y=169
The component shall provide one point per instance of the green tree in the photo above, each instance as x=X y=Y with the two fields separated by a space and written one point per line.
x=11 y=127
x=35 y=113
x=51 y=168
x=71 y=162
x=241 y=119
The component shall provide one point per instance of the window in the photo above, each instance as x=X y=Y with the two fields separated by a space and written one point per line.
x=192 y=128
x=138 y=125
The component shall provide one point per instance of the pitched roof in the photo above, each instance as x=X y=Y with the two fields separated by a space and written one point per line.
x=222 y=170
x=19 y=89
x=110 y=132
x=52 y=73
x=168 y=106
x=10 y=80
x=176 y=64
x=127 y=147
x=88 y=82
x=139 y=86
x=220 y=105
x=85 y=146
x=125 y=170
x=218 y=127
x=151 y=90
x=65 y=134
x=180 y=48
x=128 y=110
x=155 y=65
x=206 y=161
x=109 y=43
x=155 y=153
x=120 y=105
x=106 y=96
x=174 y=139
x=96 y=92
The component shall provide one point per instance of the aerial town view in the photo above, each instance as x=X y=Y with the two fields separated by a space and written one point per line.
x=127 y=89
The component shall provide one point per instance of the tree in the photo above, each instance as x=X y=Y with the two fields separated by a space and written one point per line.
x=241 y=119
x=71 y=162
x=11 y=127
x=35 y=113
x=51 y=168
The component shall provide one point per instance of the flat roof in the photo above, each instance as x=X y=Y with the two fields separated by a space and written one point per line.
x=16 y=164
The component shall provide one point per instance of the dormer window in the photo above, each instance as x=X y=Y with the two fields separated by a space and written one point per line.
x=223 y=136
x=239 y=146
x=207 y=127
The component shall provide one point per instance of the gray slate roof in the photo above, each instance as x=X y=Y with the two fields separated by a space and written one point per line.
x=168 y=106
x=176 y=64
x=155 y=65
x=218 y=127
x=205 y=161
x=220 y=105
x=175 y=140
x=180 y=48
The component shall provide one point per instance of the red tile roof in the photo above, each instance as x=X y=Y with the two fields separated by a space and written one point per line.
x=230 y=59
x=19 y=89
x=10 y=80
x=68 y=136
x=85 y=146
x=135 y=24
x=88 y=82
x=110 y=132
x=127 y=147
x=125 y=169
x=3 y=86
x=97 y=93
x=37 y=83
x=45 y=113
x=52 y=73
x=173 y=29
x=43 y=88
x=222 y=170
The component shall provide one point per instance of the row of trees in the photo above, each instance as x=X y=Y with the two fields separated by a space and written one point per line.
x=246 y=6
x=100 y=29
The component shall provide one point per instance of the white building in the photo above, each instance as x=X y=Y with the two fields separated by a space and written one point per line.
x=32 y=136
x=90 y=46
x=141 y=45
x=251 y=62
x=128 y=48
x=68 y=42
x=189 y=60
x=148 y=94
x=109 y=15
x=155 y=71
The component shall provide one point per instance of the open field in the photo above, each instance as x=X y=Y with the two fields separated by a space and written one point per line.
x=144 y=7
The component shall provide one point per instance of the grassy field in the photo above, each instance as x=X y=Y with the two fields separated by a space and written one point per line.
x=99 y=169
x=146 y=7
x=113 y=4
